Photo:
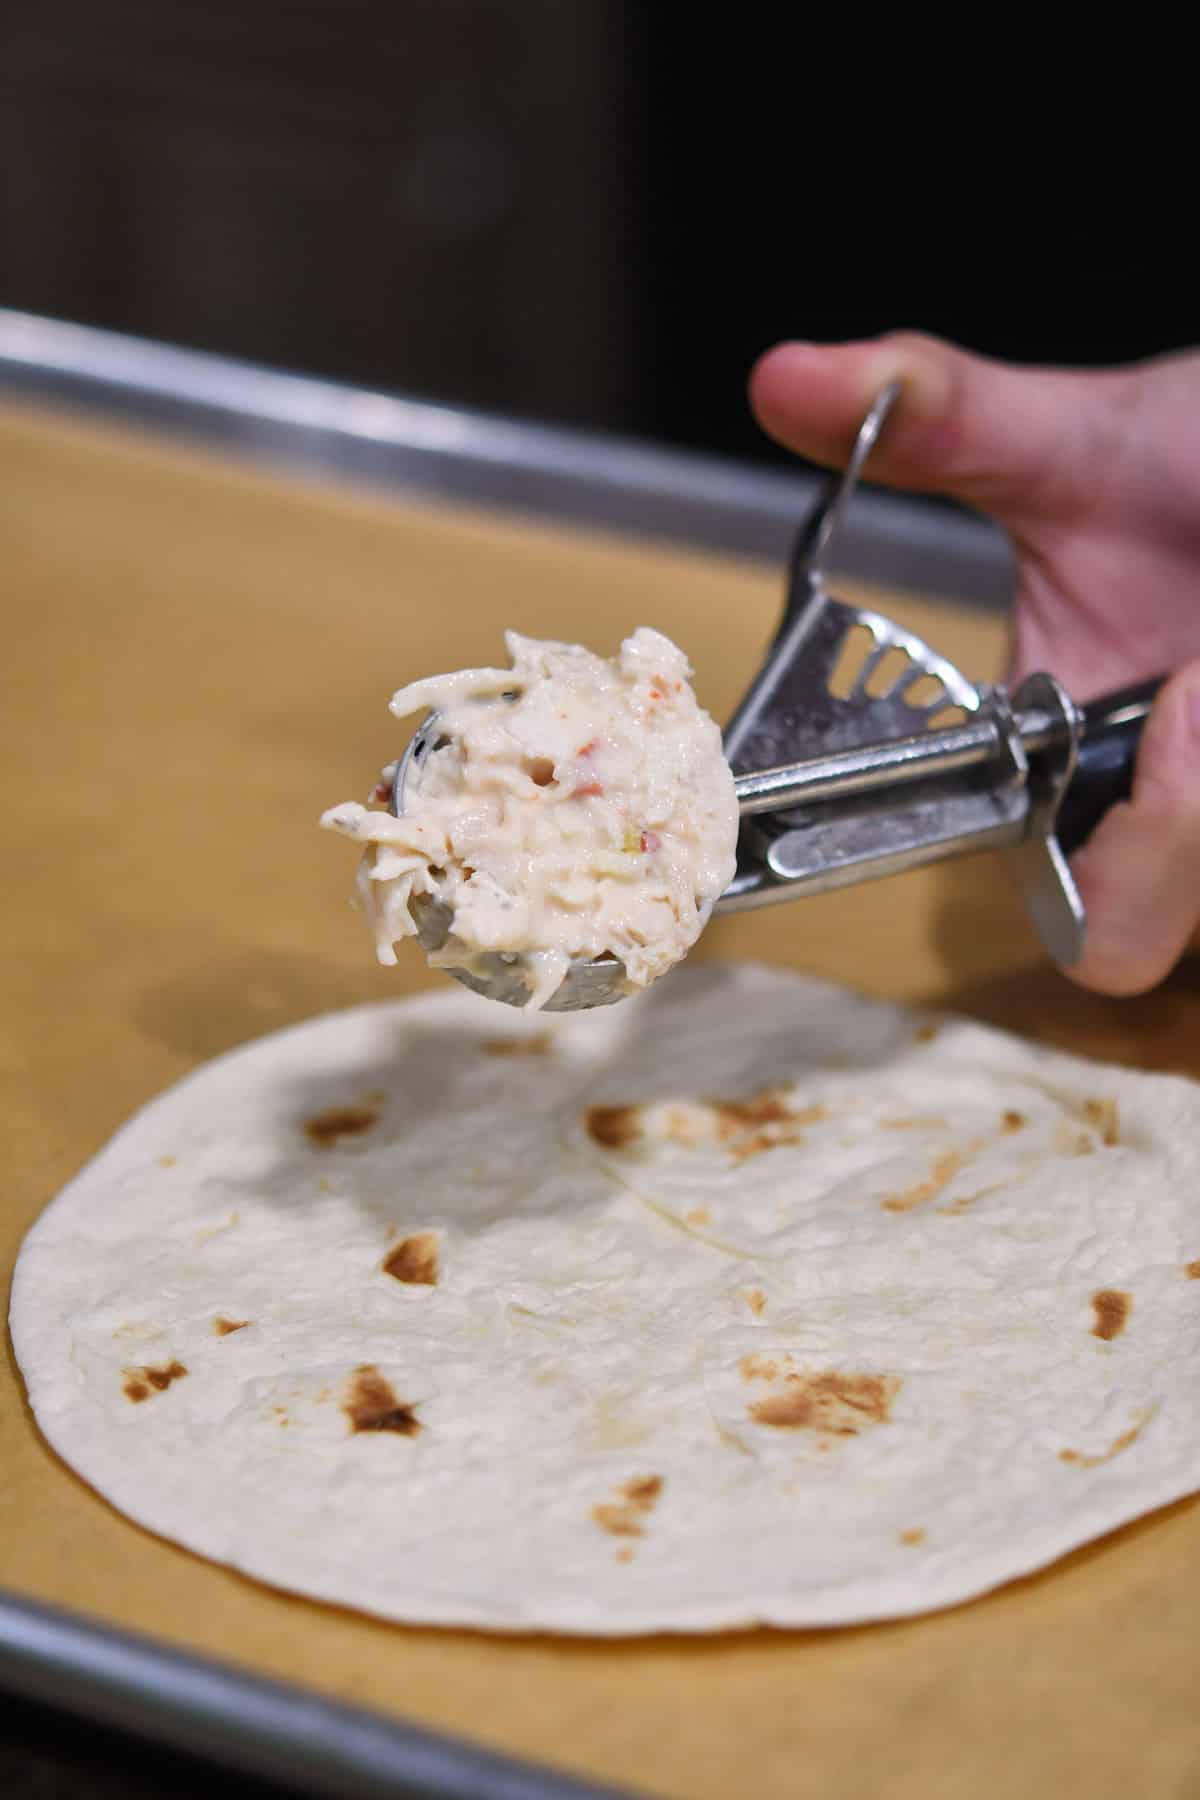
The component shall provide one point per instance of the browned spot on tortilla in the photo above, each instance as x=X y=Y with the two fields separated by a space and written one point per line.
x=913 y=1124
x=745 y=1127
x=768 y=1108
x=925 y=1034
x=371 y=1405
x=615 y=1127
x=1083 y=1461
x=678 y=1128
x=1112 y=1307
x=141 y=1383
x=325 y=1128
x=963 y=1204
x=223 y=1327
x=810 y=1115
x=1070 y=1141
x=763 y=1122
x=527 y=1046
x=699 y=1215
x=840 y=1404
x=755 y=1300
x=1013 y=1121
x=945 y=1168
x=160 y=1379
x=625 y=1553
x=627 y=1516
x=1102 y=1115
x=414 y=1259
x=166 y=1162
x=754 y=1146
x=758 y=1368
x=914 y=1535
x=618 y=1519
x=1192 y=1270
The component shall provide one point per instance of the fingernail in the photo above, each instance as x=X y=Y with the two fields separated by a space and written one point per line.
x=924 y=380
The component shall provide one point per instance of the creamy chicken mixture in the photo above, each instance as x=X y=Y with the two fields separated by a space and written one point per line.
x=571 y=806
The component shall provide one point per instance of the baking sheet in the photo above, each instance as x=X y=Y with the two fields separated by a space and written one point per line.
x=197 y=660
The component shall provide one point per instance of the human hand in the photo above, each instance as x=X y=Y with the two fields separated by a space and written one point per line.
x=1096 y=479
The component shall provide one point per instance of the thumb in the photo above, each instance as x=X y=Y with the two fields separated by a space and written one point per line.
x=1139 y=872
x=1015 y=441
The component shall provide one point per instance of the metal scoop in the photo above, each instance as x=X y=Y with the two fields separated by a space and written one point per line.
x=859 y=752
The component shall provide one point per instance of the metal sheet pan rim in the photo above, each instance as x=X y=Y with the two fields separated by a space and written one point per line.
x=259 y=1727
x=350 y=434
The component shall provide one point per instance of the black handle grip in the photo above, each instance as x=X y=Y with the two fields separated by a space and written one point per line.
x=1112 y=731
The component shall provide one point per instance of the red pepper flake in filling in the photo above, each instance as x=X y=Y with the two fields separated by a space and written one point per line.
x=650 y=842
x=588 y=787
x=588 y=749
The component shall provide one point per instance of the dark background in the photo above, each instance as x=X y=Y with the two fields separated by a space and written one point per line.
x=589 y=211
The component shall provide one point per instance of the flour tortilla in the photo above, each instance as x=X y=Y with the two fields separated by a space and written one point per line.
x=747 y=1301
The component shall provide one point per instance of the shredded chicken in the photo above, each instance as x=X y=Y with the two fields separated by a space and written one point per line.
x=573 y=805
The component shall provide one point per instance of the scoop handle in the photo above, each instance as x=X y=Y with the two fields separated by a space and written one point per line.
x=1108 y=746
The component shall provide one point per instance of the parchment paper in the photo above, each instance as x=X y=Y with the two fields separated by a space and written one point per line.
x=197 y=659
